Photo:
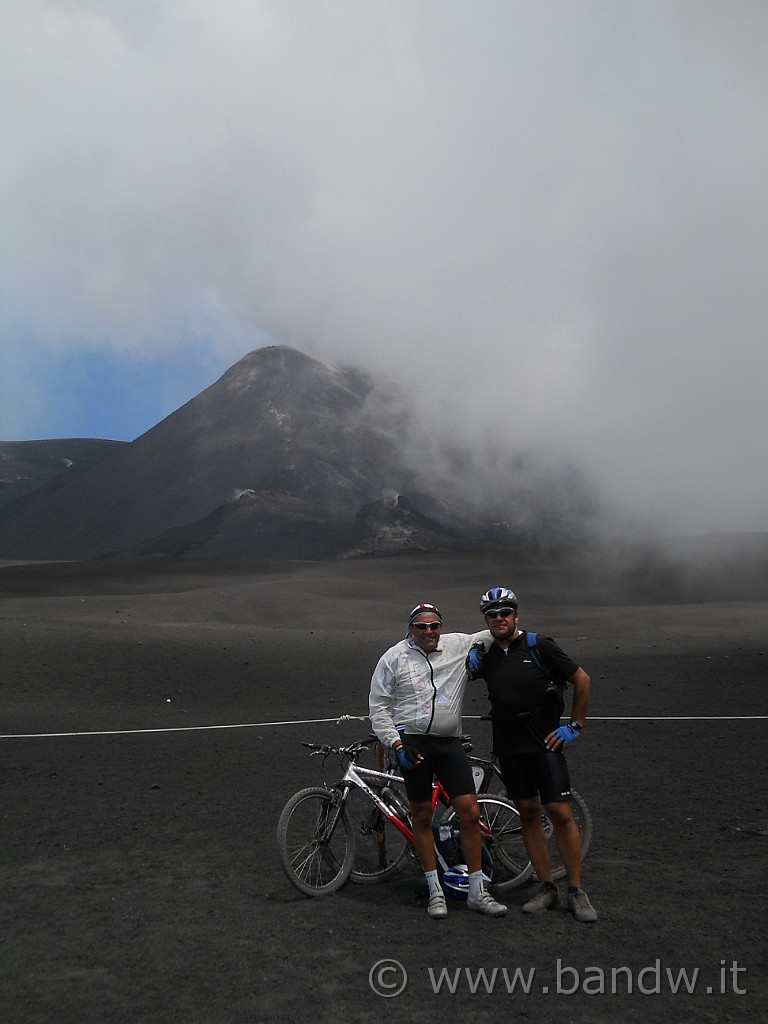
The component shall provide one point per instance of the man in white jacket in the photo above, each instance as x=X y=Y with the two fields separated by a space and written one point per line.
x=415 y=703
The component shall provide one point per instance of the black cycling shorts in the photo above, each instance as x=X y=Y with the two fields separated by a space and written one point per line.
x=545 y=773
x=444 y=757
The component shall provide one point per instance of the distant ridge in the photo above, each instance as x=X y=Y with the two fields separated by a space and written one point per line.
x=27 y=465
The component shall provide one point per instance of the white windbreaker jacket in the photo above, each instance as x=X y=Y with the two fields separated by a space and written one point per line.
x=418 y=692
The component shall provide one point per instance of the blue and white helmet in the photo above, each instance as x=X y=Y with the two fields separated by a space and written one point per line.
x=455 y=881
x=498 y=597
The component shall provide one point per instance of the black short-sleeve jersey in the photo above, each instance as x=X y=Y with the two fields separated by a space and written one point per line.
x=521 y=715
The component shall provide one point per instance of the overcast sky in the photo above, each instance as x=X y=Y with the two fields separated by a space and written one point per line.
x=547 y=218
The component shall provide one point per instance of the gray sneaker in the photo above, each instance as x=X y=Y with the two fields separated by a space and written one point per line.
x=486 y=904
x=544 y=900
x=436 y=906
x=580 y=907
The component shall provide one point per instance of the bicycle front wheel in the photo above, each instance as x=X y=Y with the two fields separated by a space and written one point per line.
x=503 y=839
x=315 y=842
x=381 y=851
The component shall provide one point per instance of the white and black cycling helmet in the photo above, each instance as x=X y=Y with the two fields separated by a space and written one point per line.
x=425 y=609
x=498 y=597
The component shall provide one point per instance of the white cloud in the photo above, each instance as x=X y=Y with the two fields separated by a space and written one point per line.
x=543 y=217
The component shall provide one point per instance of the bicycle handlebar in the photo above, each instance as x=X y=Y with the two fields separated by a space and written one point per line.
x=355 y=749
x=352 y=751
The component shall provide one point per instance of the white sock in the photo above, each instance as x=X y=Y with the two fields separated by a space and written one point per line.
x=476 y=884
x=433 y=881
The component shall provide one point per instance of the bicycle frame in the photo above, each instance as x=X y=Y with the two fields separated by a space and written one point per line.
x=489 y=767
x=355 y=776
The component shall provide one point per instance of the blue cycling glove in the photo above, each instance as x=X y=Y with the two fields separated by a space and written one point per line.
x=475 y=657
x=407 y=757
x=567 y=733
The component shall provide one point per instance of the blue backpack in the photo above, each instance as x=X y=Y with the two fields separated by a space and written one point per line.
x=555 y=693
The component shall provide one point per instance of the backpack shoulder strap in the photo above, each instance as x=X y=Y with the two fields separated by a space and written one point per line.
x=531 y=640
x=531 y=644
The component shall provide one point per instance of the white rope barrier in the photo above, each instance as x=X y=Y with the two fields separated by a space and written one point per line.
x=360 y=718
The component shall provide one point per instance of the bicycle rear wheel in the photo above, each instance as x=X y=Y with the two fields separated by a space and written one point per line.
x=489 y=782
x=315 y=842
x=503 y=839
x=583 y=820
x=381 y=851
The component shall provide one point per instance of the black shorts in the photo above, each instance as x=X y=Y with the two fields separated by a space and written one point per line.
x=444 y=757
x=545 y=773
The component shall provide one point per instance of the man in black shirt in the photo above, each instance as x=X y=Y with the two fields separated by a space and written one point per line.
x=525 y=688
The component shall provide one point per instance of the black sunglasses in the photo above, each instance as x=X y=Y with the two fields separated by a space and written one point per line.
x=426 y=625
x=503 y=613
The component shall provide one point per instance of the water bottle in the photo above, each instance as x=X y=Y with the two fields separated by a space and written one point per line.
x=393 y=801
